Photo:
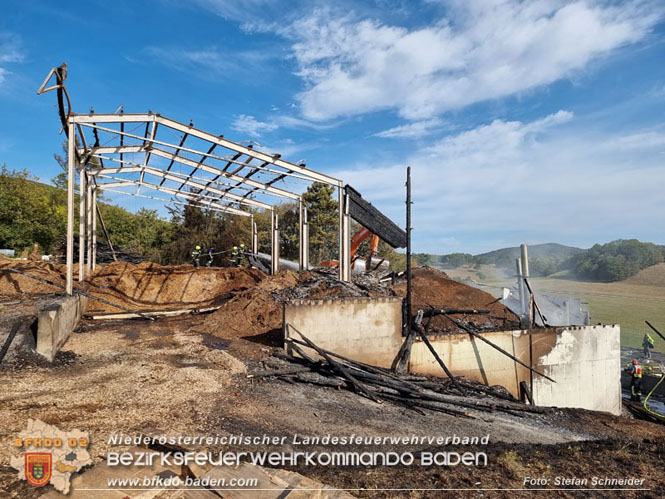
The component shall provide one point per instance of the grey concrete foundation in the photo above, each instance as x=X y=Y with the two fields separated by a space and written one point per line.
x=56 y=322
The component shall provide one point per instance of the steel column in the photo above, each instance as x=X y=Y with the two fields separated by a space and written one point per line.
x=344 y=237
x=305 y=241
x=300 y=235
x=94 y=228
x=88 y=235
x=274 y=264
x=71 y=180
x=340 y=253
x=82 y=194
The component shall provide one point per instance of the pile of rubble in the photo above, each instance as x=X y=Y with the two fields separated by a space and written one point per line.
x=433 y=289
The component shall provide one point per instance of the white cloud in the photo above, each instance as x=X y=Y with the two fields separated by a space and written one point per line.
x=481 y=51
x=546 y=180
x=10 y=52
x=293 y=122
x=248 y=124
x=209 y=62
x=413 y=130
x=238 y=11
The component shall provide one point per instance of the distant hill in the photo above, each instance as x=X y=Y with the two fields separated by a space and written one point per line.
x=506 y=256
x=544 y=259
x=651 y=276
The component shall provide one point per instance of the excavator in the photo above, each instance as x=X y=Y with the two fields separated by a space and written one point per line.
x=360 y=264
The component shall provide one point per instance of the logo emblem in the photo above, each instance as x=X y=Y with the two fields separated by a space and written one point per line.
x=38 y=468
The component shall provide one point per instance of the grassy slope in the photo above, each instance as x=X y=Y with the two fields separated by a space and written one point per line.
x=627 y=303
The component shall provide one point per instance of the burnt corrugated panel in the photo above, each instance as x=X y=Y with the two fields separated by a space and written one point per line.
x=367 y=215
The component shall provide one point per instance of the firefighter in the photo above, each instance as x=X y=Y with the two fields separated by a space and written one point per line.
x=196 y=256
x=647 y=345
x=235 y=257
x=636 y=381
x=241 y=255
x=211 y=257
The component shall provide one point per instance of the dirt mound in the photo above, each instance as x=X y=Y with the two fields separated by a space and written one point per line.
x=149 y=286
x=249 y=313
x=651 y=276
x=35 y=255
x=254 y=311
x=258 y=311
x=281 y=280
x=16 y=285
x=433 y=288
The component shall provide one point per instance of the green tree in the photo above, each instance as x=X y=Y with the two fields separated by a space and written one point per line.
x=28 y=213
x=323 y=222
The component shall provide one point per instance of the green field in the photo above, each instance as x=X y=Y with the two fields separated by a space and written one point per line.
x=627 y=303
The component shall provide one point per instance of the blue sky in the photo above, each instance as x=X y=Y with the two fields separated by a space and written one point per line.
x=530 y=122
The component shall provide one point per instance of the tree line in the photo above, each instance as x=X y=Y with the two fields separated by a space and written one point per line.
x=32 y=212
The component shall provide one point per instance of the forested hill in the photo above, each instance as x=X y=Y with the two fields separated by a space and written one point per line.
x=33 y=212
x=506 y=256
x=613 y=261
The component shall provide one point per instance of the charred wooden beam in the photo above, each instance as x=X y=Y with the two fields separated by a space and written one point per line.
x=367 y=215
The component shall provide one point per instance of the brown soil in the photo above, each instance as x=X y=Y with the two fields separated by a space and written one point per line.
x=160 y=377
x=13 y=285
x=433 y=288
x=149 y=286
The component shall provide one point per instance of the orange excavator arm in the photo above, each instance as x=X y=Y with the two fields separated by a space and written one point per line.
x=357 y=239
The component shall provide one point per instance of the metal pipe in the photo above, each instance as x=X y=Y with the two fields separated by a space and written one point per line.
x=525 y=261
x=71 y=180
x=525 y=275
x=520 y=287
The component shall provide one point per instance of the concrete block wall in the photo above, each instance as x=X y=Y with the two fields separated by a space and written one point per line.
x=364 y=329
x=476 y=360
x=584 y=360
x=586 y=363
x=56 y=322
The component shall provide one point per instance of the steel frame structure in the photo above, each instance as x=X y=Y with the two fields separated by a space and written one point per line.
x=199 y=167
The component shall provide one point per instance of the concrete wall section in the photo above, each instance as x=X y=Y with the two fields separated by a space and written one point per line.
x=586 y=363
x=467 y=356
x=56 y=322
x=364 y=329
x=584 y=360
